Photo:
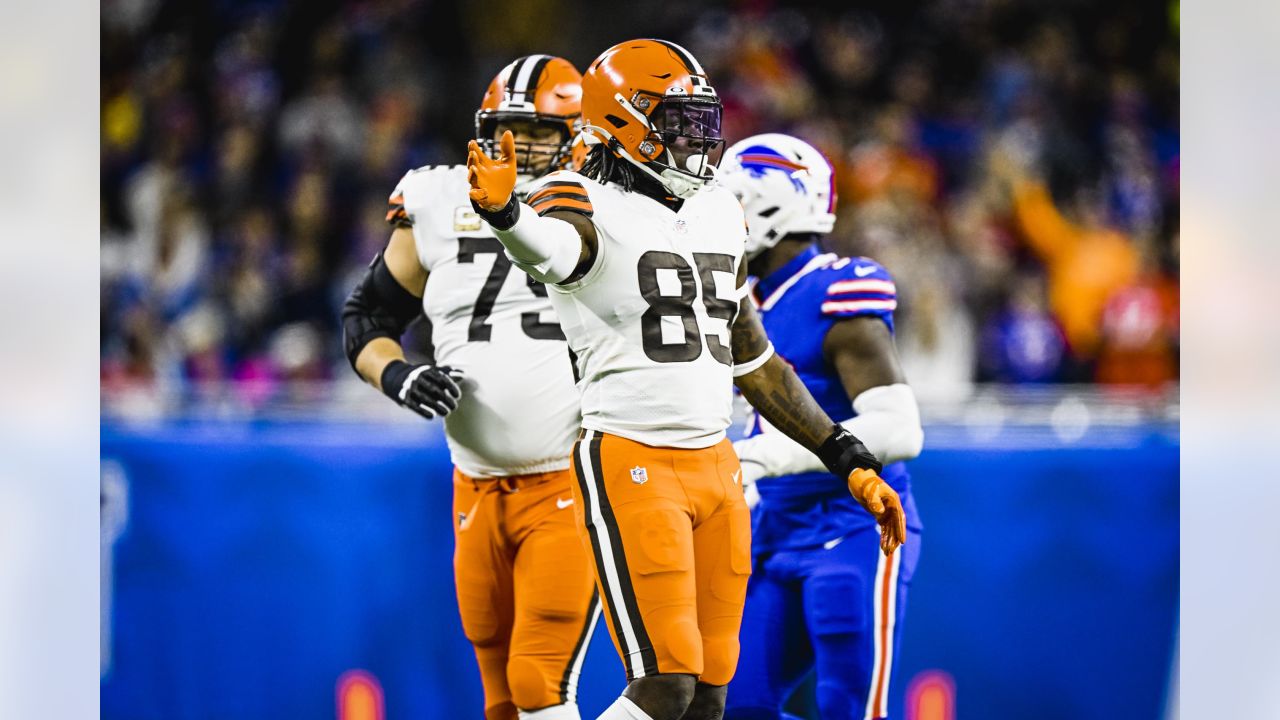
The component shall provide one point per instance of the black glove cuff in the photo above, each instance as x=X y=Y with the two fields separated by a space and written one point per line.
x=843 y=453
x=503 y=218
x=393 y=377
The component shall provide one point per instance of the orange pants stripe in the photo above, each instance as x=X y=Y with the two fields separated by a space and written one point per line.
x=525 y=588
x=669 y=534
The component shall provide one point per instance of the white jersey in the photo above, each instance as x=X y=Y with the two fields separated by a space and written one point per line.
x=650 y=322
x=518 y=413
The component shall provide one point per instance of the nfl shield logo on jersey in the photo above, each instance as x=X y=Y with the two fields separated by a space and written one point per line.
x=639 y=475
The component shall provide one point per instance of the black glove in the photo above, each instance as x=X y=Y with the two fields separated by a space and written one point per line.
x=429 y=390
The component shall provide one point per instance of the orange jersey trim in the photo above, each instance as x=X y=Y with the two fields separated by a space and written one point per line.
x=563 y=202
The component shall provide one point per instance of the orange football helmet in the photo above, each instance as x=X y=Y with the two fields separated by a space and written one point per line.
x=650 y=103
x=546 y=93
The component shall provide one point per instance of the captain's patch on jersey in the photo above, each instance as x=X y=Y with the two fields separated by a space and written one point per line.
x=639 y=475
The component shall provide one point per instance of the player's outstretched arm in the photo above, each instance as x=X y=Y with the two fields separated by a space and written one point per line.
x=887 y=419
x=774 y=390
x=374 y=317
x=558 y=248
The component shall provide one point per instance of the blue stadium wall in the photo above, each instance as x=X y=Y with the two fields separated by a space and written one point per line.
x=248 y=566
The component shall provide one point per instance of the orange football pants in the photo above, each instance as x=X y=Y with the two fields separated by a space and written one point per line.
x=670 y=537
x=525 y=588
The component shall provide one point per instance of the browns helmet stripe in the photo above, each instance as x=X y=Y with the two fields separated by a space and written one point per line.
x=524 y=79
x=686 y=57
x=697 y=76
x=509 y=85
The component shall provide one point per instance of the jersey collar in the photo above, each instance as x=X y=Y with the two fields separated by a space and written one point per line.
x=770 y=289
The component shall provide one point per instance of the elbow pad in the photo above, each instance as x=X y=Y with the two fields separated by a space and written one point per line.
x=379 y=306
x=888 y=421
x=750 y=366
x=888 y=424
x=546 y=248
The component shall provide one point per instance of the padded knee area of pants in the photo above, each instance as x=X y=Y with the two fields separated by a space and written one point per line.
x=833 y=604
x=481 y=624
x=680 y=638
x=835 y=702
x=720 y=659
x=501 y=711
x=529 y=689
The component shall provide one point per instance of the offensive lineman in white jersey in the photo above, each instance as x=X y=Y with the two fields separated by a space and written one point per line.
x=523 y=579
x=643 y=254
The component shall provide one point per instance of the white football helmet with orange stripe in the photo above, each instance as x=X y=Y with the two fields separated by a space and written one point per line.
x=785 y=185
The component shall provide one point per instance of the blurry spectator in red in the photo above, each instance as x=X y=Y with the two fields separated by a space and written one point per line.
x=1140 y=330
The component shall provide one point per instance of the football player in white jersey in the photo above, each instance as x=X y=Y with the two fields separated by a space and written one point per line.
x=524 y=581
x=643 y=254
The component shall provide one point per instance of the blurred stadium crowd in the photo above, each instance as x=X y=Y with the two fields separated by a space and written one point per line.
x=1014 y=163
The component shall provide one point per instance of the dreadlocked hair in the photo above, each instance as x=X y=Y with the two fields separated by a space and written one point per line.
x=603 y=166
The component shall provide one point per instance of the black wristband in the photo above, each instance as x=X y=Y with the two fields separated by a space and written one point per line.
x=504 y=218
x=843 y=453
x=393 y=377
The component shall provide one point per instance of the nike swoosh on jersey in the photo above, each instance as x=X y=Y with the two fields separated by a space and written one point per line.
x=864 y=270
x=736 y=474
x=562 y=504
x=832 y=543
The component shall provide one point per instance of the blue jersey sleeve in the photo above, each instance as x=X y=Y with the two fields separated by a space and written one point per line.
x=860 y=287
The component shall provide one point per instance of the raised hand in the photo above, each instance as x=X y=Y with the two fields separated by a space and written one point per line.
x=492 y=180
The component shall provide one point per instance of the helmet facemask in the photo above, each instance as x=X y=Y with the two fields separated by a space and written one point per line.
x=683 y=145
x=689 y=131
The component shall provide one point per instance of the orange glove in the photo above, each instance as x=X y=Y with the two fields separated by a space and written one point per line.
x=492 y=180
x=883 y=503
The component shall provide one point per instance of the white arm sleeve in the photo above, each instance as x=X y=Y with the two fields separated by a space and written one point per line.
x=546 y=248
x=750 y=366
x=888 y=423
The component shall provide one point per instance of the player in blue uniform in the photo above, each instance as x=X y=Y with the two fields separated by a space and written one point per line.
x=822 y=596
